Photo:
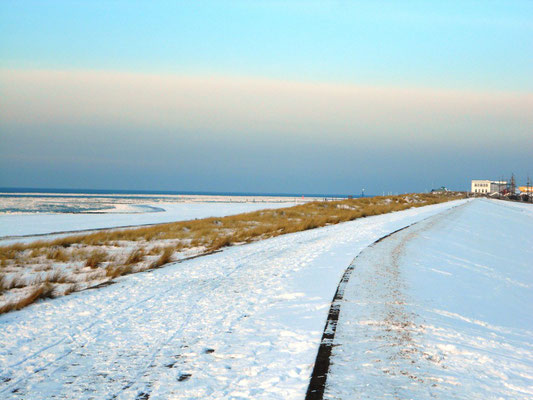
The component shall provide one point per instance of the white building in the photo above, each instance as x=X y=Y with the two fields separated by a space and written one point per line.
x=487 y=187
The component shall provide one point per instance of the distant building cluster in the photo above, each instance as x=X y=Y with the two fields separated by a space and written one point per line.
x=441 y=190
x=483 y=186
x=502 y=189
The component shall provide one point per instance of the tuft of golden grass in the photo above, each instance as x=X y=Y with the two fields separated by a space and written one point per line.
x=57 y=276
x=114 y=271
x=165 y=258
x=154 y=250
x=56 y=254
x=3 y=283
x=16 y=282
x=41 y=291
x=96 y=258
x=73 y=287
x=135 y=256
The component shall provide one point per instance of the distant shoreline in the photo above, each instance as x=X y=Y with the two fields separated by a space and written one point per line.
x=29 y=192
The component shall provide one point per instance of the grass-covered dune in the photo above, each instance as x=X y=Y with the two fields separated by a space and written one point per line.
x=72 y=263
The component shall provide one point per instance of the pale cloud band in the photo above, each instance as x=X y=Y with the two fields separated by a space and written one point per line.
x=256 y=106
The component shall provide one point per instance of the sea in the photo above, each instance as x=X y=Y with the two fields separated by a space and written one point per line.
x=57 y=200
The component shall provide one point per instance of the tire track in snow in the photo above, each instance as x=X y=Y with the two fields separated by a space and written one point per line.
x=317 y=383
x=151 y=358
x=73 y=343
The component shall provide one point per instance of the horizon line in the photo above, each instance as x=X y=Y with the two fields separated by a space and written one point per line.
x=53 y=190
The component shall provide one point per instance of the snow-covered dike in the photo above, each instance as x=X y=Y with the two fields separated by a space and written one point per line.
x=443 y=309
x=243 y=324
x=39 y=224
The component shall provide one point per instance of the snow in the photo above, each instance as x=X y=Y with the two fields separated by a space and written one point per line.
x=441 y=310
x=246 y=323
x=45 y=223
x=261 y=307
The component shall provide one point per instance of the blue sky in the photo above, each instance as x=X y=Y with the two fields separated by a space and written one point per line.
x=265 y=96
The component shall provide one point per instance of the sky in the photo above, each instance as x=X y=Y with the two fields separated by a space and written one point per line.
x=265 y=96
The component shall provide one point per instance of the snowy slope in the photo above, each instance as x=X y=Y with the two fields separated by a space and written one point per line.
x=443 y=309
x=242 y=324
x=38 y=224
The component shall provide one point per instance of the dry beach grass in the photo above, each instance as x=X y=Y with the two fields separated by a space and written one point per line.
x=57 y=267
